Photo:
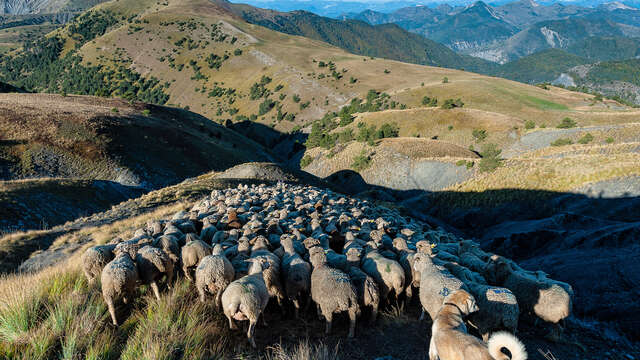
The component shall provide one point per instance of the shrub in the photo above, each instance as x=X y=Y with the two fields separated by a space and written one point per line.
x=461 y=162
x=387 y=130
x=305 y=161
x=451 y=103
x=345 y=136
x=562 y=142
x=587 y=138
x=114 y=110
x=479 y=134
x=567 y=123
x=305 y=105
x=529 y=124
x=266 y=106
x=450 y=127
x=445 y=80
x=387 y=71
x=361 y=162
x=146 y=112
x=490 y=158
x=470 y=164
x=427 y=101
x=296 y=98
x=237 y=52
x=609 y=140
x=352 y=80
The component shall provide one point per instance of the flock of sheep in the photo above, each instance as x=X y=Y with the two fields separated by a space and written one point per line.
x=246 y=245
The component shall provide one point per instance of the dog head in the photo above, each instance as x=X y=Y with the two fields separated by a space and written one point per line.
x=463 y=300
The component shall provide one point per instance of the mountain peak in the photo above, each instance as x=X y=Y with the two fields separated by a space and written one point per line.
x=617 y=5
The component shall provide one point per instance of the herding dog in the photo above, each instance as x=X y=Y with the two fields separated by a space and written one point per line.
x=450 y=341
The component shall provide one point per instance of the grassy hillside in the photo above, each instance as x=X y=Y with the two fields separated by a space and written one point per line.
x=542 y=66
x=93 y=138
x=387 y=41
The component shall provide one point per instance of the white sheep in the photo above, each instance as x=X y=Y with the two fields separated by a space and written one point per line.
x=548 y=300
x=332 y=291
x=153 y=264
x=296 y=273
x=119 y=279
x=498 y=309
x=435 y=284
x=214 y=274
x=366 y=287
x=192 y=252
x=247 y=297
x=94 y=260
x=386 y=272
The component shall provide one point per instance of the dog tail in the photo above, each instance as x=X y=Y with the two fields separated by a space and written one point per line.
x=504 y=339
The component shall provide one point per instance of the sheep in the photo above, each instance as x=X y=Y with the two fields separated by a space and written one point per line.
x=214 y=274
x=271 y=275
x=94 y=260
x=366 y=287
x=548 y=300
x=169 y=244
x=435 y=284
x=119 y=278
x=473 y=262
x=247 y=297
x=406 y=261
x=464 y=274
x=152 y=264
x=192 y=253
x=387 y=273
x=332 y=291
x=296 y=273
x=498 y=309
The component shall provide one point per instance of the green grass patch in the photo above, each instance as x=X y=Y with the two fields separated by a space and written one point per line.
x=542 y=104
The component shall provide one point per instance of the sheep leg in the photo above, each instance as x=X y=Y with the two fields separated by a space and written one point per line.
x=169 y=279
x=201 y=292
x=296 y=305
x=409 y=292
x=352 y=321
x=433 y=352
x=232 y=324
x=374 y=313
x=112 y=311
x=250 y=332
x=421 y=316
x=320 y=317
x=185 y=269
x=156 y=291
x=219 y=299
x=485 y=336
x=329 y=318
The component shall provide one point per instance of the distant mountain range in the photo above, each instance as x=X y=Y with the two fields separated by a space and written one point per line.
x=507 y=32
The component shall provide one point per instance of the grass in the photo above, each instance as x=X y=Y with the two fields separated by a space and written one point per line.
x=542 y=104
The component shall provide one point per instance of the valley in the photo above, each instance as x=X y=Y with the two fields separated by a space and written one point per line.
x=135 y=111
